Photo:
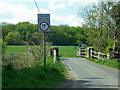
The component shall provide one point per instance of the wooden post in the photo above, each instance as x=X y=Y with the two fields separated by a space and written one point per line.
x=108 y=56
x=90 y=52
x=54 y=55
x=98 y=55
x=50 y=51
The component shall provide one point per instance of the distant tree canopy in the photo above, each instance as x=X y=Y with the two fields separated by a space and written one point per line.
x=59 y=35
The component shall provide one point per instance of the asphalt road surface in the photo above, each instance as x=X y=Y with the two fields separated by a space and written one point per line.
x=91 y=75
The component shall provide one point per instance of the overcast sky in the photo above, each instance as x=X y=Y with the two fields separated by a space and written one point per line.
x=61 y=11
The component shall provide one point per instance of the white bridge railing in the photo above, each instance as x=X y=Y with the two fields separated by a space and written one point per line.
x=99 y=55
x=90 y=53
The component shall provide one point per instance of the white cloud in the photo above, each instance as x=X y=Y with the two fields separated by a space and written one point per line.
x=12 y=13
x=70 y=3
x=61 y=5
x=74 y=20
x=71 y=20
x=53 y=6
x=18 y=13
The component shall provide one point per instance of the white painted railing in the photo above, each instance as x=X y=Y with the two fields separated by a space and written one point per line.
x=93 y=54
x=54 y=55
x=99 y=54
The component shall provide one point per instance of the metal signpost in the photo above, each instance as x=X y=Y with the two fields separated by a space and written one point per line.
x=80 y=43
x=83 y=45
x=74 y=50
x=44 y=26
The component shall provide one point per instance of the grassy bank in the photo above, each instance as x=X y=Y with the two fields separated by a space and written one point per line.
x=33 y=75
x=106 y=62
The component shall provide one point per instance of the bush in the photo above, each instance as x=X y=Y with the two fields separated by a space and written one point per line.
x=107 y=62
x=4 y=45
x=37 y=76
x=109 y=48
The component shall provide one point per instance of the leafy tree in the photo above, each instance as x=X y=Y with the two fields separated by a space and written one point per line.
x=13 y=38
x=4 y=45
x=25 y=29
x=115 y=29
x=7 y=28
x=103 y=23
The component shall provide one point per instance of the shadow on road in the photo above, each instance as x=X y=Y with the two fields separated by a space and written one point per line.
x=85 y=85
x=92 y=78
x=64 y=58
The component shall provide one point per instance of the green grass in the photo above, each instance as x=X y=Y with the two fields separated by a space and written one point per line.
x=64 y=51
x=16 y=49
x=67 y=51
x=106 y=62
x=34 y=76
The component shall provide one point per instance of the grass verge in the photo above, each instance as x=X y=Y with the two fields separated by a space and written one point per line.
x=35 y=76
x=106 y=62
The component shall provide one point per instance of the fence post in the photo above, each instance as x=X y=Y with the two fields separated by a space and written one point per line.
x=108 y=56
x=54 y=55
x=29 y=49
x=88 y=52
x=98 y=55
x=91 y=53
x=51 y=51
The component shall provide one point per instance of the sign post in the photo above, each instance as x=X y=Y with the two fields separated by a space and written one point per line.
x=74 y=50
x=80 y=43
x=44 y=26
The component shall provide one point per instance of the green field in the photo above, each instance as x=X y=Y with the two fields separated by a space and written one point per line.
x=16 y=49
x=64 y=51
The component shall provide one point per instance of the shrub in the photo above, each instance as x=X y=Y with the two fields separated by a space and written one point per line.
x=4 y=45
x=109 y=48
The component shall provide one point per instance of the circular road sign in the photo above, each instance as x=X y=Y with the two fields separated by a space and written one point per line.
x=44 y=26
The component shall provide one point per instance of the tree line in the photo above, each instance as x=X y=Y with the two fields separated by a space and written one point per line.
x=24 y=32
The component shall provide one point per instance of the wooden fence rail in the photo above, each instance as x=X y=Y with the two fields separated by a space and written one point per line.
x=90 y=53
x=99 y=55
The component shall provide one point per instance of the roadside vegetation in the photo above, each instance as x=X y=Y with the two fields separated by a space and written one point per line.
x=28 y=73
x=106 y=62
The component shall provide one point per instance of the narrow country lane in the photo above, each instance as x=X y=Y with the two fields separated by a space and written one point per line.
x=90 y=75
